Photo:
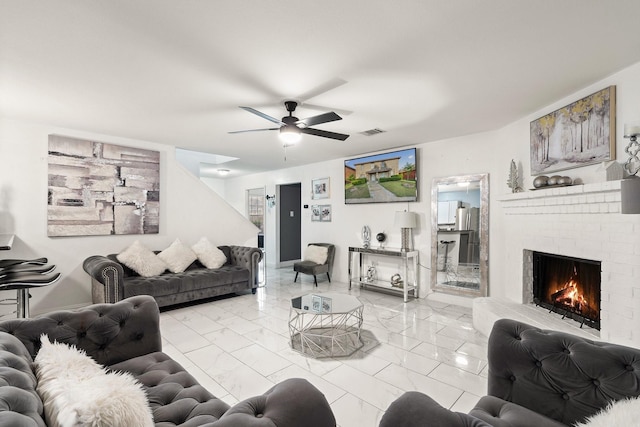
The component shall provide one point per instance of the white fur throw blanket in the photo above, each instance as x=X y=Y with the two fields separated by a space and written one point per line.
x=621 y=413
x=77 y=391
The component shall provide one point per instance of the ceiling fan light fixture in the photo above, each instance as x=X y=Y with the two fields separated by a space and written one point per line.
x=290 y=134
x=291 y=127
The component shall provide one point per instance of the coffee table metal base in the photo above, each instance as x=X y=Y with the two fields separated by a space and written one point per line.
x=326 y=335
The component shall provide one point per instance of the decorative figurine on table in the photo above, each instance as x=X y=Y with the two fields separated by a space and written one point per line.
x=366 y=237
x=381 y=237
x=372 y=275
x=396 y=281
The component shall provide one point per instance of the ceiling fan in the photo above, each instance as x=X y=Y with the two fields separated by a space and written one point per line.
x=291 y=128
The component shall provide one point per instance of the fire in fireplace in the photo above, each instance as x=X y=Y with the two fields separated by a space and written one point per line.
x=568 y=286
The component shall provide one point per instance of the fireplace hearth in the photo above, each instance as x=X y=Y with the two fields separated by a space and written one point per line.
x=568 y=286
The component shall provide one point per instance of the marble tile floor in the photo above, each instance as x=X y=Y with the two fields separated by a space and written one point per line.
x=238 y=347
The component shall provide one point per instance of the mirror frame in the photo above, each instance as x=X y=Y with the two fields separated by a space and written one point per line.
x=483 y=178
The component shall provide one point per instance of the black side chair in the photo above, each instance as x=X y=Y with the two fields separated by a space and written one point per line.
x=310 y=267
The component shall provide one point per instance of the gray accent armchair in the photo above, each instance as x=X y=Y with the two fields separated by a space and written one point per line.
x=312 y=268
x=537 y=378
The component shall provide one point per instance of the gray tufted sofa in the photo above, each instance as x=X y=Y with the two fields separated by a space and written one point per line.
x=537 y=378
x=112 y=281
x=125 y=336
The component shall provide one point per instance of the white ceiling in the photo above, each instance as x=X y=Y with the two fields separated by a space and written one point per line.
x=175 y=72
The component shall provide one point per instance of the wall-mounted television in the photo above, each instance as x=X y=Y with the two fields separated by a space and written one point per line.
x=382 y=178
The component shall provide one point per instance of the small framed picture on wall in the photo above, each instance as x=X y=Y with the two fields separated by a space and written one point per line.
x=320 y=188
x=325 y=213
x=315 y=213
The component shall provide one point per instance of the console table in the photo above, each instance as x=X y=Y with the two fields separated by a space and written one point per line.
x=409 y=288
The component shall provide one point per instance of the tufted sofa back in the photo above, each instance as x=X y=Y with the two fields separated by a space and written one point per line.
x=110 y=333
x=559 y=375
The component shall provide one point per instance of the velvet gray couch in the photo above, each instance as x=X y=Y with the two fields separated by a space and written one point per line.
x=125 y=336
x=112 y=281
x=537 y=378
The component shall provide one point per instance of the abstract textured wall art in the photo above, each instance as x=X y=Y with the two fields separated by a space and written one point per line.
x=101 y=189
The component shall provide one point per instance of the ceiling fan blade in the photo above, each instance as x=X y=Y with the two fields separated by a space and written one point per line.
x=252 y=130
x=263 y=115
x=324 y=133
x=319 y=119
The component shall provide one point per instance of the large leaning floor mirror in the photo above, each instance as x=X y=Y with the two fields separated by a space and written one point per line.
x=460 y=235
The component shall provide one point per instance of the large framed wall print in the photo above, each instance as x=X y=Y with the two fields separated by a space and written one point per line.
x=96 y=188
x=579 y=134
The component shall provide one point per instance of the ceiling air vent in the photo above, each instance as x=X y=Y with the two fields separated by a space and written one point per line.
x=372 y=132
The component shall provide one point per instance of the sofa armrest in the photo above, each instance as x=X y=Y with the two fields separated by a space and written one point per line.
x=294 y=402
x=498 y=412
x=109 y=333
x=20 y=404
x=106 y=279
x=247 y=257
x=415 y=409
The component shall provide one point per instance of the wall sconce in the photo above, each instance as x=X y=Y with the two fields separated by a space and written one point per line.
x=630 y=186
x=406 y=221
x=271 y=200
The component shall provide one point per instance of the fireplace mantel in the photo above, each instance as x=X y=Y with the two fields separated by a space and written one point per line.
x=596 y=198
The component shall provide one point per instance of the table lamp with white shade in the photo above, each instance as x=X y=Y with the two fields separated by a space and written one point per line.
x=406 y=221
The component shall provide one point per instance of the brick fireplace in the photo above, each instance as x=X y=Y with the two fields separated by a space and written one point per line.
x=581 y=221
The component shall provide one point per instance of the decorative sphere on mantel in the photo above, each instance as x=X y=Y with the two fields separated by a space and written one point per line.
x=540 y=181
x=565 y=180
x=381 y=237
x=554 y=180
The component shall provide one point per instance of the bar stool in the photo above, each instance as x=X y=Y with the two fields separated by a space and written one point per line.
x=21 y=275
x=446 y=244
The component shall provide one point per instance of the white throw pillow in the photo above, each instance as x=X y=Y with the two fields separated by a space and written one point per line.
x=77 y=391
x=317 y=254
x=208 y=254
x=142 y=260
x=624 y=412
x=177 y=256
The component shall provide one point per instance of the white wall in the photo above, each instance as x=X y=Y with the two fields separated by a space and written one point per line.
x=486 y=152
x=216 y=185
x=188 y=210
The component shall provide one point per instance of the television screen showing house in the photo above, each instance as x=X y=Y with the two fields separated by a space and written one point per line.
x=381 y=178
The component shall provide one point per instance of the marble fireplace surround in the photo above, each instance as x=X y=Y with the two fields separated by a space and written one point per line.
x=581 y=221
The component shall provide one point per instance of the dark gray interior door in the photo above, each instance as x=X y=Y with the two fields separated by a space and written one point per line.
x=290 y=223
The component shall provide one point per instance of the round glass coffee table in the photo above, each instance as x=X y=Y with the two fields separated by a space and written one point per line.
x=325 y=325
